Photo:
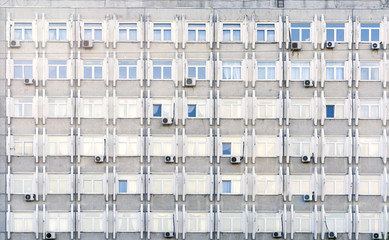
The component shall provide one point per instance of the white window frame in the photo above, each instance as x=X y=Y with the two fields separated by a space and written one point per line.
x=234 y=106
x=94 y=141
x=269 y=105
x=367 y=182
x=370 y=220
x=128 y=30
x=194 y=143
x=25 y=178
x=300 y=31
x=59 y=221
x=301 y=104
x=94 y=65
x=267 y=142
x=28 y=26
x=162 y=179
x=88 y=26
x=132 y=183
x=57 y=30
x=368 y=141
x=163 y=29
x=164 y=68
x=299 y=181
x=337 y=142
x=197 y=29
x=370 y=104
x=230 y=66
x=93 y=178
x=336 y=28
x=130 y=142
x=164 y=218
x=265 y=217
x=335 y=69
x=370 y=31
x=298 y=219
x=57 y=102
x=337 y=103
x=339 y=222
x=234 y=219
x=201 y=106
x=23 y=106
x=84 y=216
x=259 y=28
x=28 y=221
x=132 y=219
x=165 y=142
x=227 y=26
x=236 y=184
x=336 y=182
x=204 y=65
x=199 y=219
x=23 y=64
x=300 y=66
x=266 y=65
x=58 y=179
x=128 y=67
x=370 y=66
x=200 y=181
x=57 y=64
x=267 y=180
x=58 y=143
x=23 y=140
x=130 y=106
x=92 y=103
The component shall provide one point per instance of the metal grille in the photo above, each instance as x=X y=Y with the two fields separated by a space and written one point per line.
x=280 y=3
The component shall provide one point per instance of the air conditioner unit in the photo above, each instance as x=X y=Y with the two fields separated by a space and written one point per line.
x=235 y=160
x=277 y=234
x=170 y=159
x=29 y=197
x=29 y=81
x=168 y=234
x=308 y=83
x=99 y=159
x=332 y=235
x=305 y=159
x=167 y=121
x=330 y=44
x=375 y=46
x=50 y=235
x=307 y=198
x=87 y=43
x=295 y=46
x=14 y=43
x=376 y=236
x=190 y=82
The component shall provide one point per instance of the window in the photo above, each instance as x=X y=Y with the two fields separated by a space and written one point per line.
x=300 y=184
x=266 y=70
x=336 y=222
x=196 y=184
x=226 y=148
x=23 y=107
x=196 y=146
x=196 y=32
x=57 y=69
x=370 y=108
x=57 y=31
x=127 y=108
x=266 y=32
x=22 y=69
x=92 y=146
x=300 y=146
x=92 y=108
x=335 y=146
x=127 y=70
x=267 y=146
x=369 y=185
x=128 y=222
x=335 y=71
x=301 y=71
x=370 y=32
x=93 y=31
x=162 y=32
x=266 y=108
x=128 y=31
x=370 y=71
x=369 y=222
x=197 y=108
x=23 y=221
x=57 y=145
x=157 y=110
x=162 y=108
x=231 y=146
x=335 y=108
x=267 y=184
x=231 y=32
x=22 y=183
x=92 y=183
x=300 y=108
x=232 y=70
x=93 y=70
x=23 y=31
x=231 y=184
x=58 y=183
x=231 y=108
x=162 y=184
x=335 y=32
x=231 y=222
x=197 y=70
x=128 y=184
x=58 y=222
x=301 y=32
x=335 y=185
x=369 y=146
x=162 y=222
x=92 y=221
x=161 y=146
x=127 y=146
x=197 y=222
x=162 y=70
x=23 y=145
x=302 y=222
x=58 y=107
x=268 y=222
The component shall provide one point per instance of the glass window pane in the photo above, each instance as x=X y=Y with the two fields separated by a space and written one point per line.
x=340 y=35
x=98 y=34
x=191 y=110
x=122 y=186
x=226 y=147
x=330 y=35
x=261 y=35
x=157 y=110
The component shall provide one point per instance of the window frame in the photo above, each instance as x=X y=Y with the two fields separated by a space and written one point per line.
x=162 y=30
x=23 y=30
x=370 y=66
x=301 y=66
x=94 y=178
x=362 y=28
x=258 y=28
x=267 y=66
x=94 y=219
x=300 y=28
x=196 y=67
x=95 y=65
x=336 y=68
x=93 y=30
x=230 y=67
x=23 y=64
x=91 y=104
x=128 y=31
x=23 y=106
x=196 y=30
x=335 y=29
x=129 y=68
x=57 y=31
x=231 y=31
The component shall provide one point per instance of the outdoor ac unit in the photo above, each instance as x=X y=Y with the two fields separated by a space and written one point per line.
x=235 y=160
x=376 y=236
x=308 y=83
x=332 y=235
x=305 y=159
x=190 y=82
x=99 y=159
x=14 y=44
x=168 y=234
x=29 y=197
x=29 y=81
x=277 y=234
x=87 y=43
x=307 y=198
x=295 y=46
x=170 y=159
x=375 y=45
x=330 y=44
x=167 y=121
x=50 y=235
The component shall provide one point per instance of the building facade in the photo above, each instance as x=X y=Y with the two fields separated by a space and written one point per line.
x=194 y=120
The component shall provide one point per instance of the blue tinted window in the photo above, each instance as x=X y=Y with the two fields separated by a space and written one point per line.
x=302 y=25
x=226 y=147
x=226 y=185
x=191 y=110
x=157 y=110
x=122 y=186
x=330 y=111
